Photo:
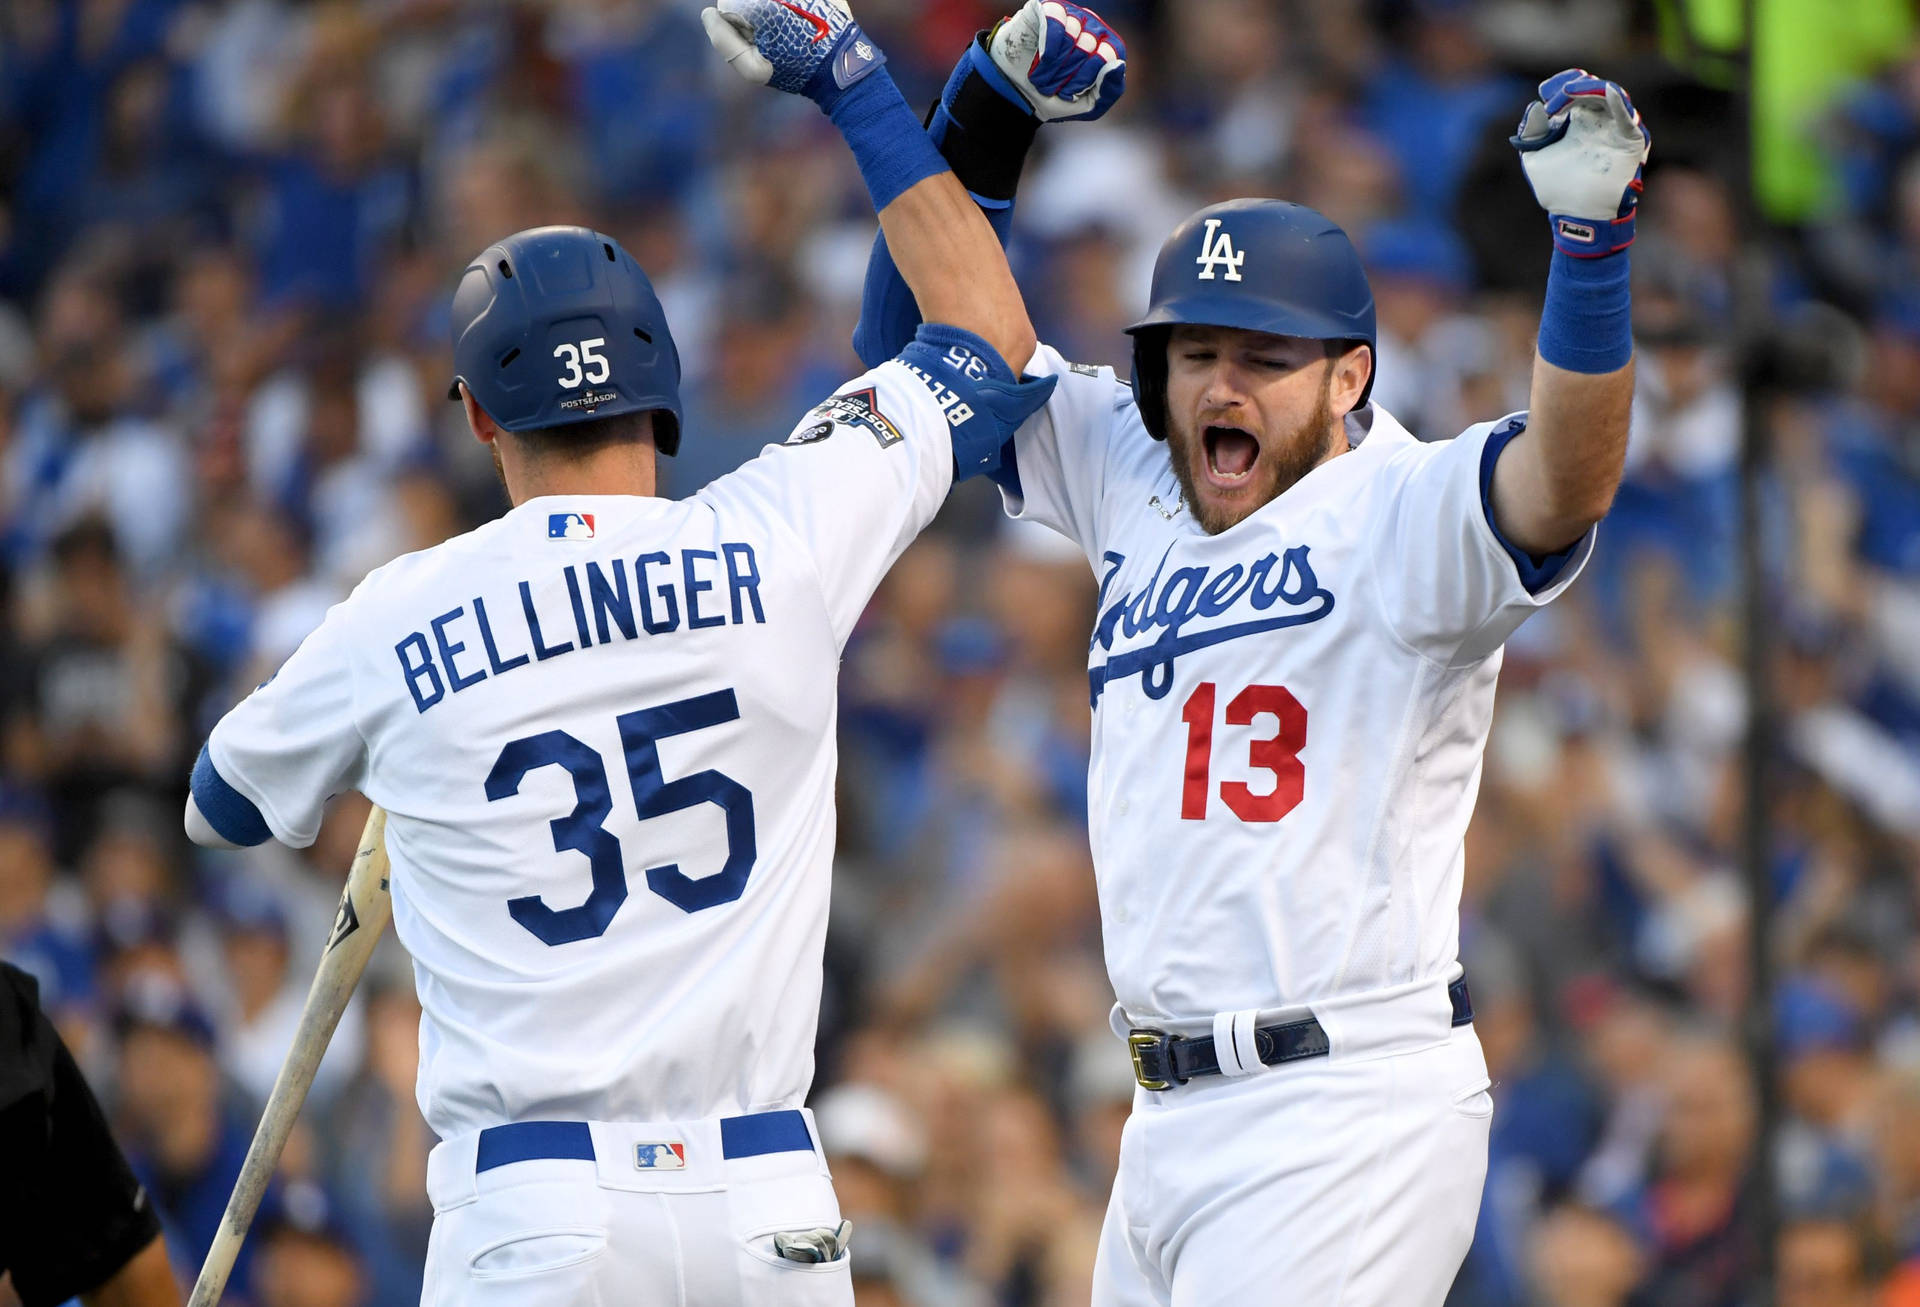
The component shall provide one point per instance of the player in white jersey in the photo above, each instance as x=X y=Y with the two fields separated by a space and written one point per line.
x=603 y=729
x=1300 y=620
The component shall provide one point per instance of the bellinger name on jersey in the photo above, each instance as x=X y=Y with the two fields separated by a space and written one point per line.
x=705 y=586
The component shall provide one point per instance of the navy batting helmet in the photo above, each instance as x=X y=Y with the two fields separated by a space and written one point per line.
x=1259 y=265
x=557 y=325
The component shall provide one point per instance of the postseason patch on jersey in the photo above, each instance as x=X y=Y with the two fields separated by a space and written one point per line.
x=1084 y=369
x=859 y=408
x=660 y=1157
x=570 y=526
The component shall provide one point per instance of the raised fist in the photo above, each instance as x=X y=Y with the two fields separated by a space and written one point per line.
x=1062 y=58
x=1583 y=147
x=786 y=44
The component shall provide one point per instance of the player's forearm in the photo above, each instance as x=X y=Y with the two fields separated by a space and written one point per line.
x=951 y=260
x=984 y=125
x=984 y=134
x=944 y=249
x=1558 y=479
x=936 y=241
x=1583 y=146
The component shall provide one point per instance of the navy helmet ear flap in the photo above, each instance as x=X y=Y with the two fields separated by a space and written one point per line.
x=666 y=431
x=1150 y=377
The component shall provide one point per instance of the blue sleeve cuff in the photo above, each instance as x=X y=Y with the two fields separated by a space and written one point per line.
x=941 y=336
x=892 y=150
x=983 y=402
x=1586 y=321
x=231 y=813
x=1537 y=571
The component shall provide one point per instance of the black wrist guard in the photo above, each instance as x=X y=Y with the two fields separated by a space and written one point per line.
x=981 y=134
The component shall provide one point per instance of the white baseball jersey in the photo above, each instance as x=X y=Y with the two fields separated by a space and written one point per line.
x=603 y=730
x=1288 y=717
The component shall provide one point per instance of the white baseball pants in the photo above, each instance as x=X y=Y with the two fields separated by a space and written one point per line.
x=1350 y=1180
x=594 y=1214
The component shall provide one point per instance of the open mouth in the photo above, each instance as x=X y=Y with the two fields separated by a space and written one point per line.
x=1231 y=454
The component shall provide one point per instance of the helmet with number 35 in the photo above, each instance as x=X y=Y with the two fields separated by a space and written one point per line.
x=558 y=325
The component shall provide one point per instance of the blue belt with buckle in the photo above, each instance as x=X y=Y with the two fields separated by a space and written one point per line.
x=740 y=1136
x=1162 y=1060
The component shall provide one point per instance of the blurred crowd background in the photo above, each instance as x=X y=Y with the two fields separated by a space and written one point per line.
x=228 y=232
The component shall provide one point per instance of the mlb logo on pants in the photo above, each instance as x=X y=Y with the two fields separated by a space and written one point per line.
x=570 y=526
x=660 y=1157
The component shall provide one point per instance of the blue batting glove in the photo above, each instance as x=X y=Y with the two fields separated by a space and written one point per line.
x=1066 y=63
x=804 y=47
x=1584 y=150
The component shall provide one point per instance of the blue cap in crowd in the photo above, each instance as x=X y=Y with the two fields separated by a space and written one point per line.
x=244 y=906
x=303 y=1208
x=1810 y=1018
x=158 y=1002
x=1416 y=251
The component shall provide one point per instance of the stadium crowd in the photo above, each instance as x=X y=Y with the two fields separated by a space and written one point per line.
x=228 y=234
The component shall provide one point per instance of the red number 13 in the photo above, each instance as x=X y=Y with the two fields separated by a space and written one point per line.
x=1279 y=753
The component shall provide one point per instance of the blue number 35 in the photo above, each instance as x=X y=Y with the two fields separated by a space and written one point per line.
x=584 y=831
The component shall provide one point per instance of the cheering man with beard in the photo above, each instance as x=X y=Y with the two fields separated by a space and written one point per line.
x=1300 y=624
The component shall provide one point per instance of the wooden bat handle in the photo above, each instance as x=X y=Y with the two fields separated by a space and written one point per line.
x=365 y=909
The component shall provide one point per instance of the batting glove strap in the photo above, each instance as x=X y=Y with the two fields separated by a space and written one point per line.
x=1584 y=150
x=1583 y=239
x=853 y=59
x=983 y=126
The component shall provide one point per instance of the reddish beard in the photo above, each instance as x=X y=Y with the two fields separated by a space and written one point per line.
x=1279 y=464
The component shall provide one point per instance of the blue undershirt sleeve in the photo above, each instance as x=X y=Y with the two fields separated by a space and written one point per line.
x=1537 y=571
x=231 y=814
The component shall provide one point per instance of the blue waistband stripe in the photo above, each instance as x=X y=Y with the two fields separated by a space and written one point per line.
x=765 y=1132
x=525 y=1141
x=740 y=1136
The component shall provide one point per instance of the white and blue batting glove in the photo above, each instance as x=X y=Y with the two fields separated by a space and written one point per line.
x=1584 y=148
x=1063 y=58
x=805 y=47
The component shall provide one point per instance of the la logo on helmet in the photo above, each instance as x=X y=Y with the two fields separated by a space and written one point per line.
x=1216 y=252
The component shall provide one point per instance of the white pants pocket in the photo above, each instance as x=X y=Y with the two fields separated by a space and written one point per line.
x=770 y=1280
x=1476 y=1100
x=545 y=1243
x=760 y=1209
x=537 y=1252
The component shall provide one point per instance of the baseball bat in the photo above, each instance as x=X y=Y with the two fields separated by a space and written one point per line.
x=365 y=908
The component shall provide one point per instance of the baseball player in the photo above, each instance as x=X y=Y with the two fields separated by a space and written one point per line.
x=1300 y=620
x=603 y=729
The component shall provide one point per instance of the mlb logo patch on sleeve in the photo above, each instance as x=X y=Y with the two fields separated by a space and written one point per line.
x=660 y=1157
x=570 y=526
